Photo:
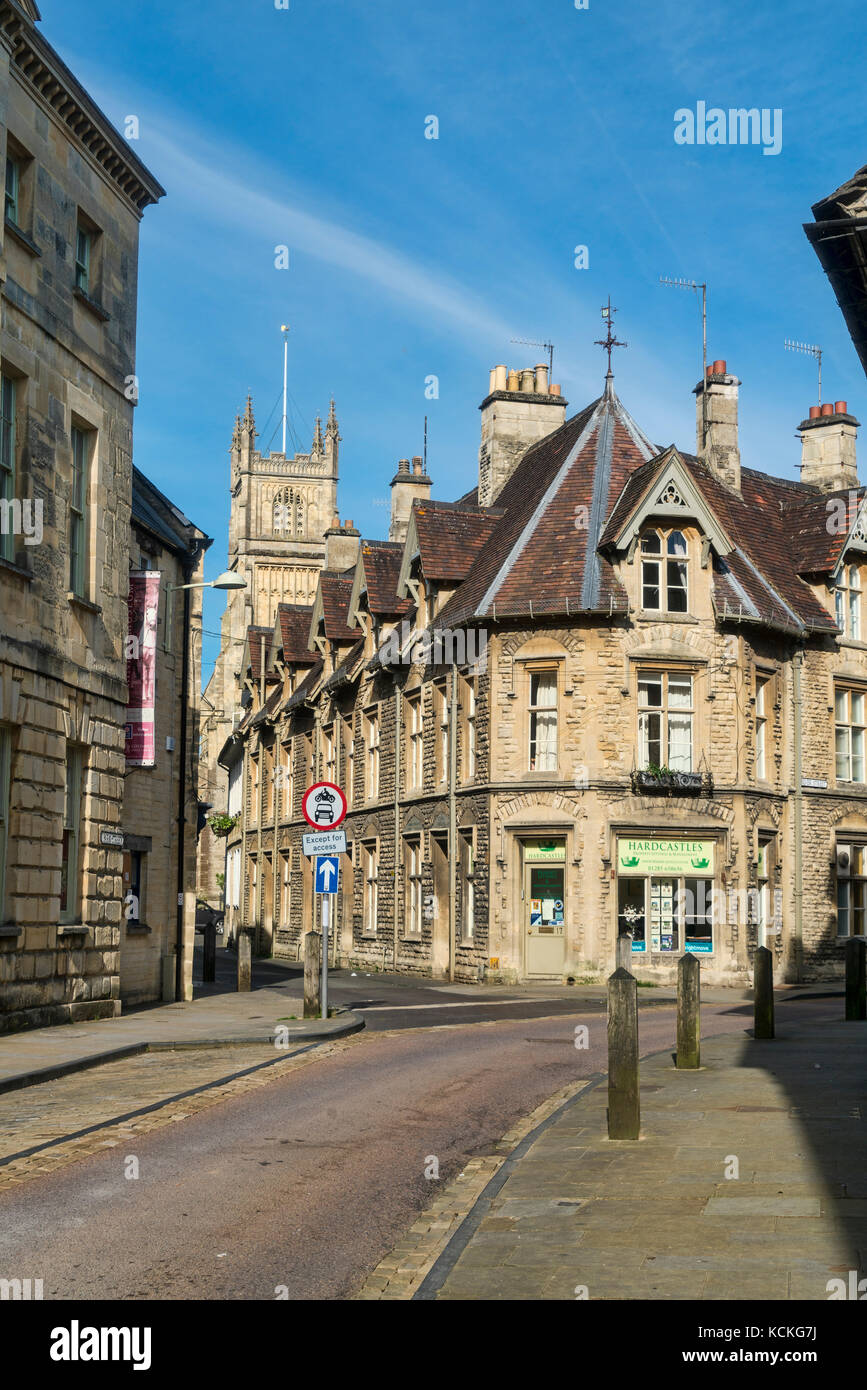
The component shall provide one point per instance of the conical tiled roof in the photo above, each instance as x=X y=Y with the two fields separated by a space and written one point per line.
x=542 y=554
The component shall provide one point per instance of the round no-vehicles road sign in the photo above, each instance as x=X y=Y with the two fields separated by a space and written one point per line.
x=324 y=806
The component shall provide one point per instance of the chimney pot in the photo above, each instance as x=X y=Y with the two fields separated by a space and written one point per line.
x=501 y=376
x=528 y=380
x=541 y=375
x=512 y=383
x=553 y=390
x=716 y=425
x=492 y=381
x=403 y=465
x=708 y=371
x=829 y=447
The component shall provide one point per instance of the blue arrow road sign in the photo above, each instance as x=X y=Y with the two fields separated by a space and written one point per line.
x=327 y=873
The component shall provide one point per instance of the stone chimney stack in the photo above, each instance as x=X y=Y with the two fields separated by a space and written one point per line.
x=716 y=424
x=407 y=484
x=521 y=408
x=342 y=543
x=828 y=447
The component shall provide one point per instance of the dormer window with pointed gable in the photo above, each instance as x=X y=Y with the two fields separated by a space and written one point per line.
x=664 y=572
x=848 y=602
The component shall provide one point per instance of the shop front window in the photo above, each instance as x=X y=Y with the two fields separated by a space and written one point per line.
x=662 y=902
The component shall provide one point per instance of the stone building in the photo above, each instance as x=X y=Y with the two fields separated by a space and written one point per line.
x=159 y=849
x=626 y=695
x=281 y=510
x=74 y=197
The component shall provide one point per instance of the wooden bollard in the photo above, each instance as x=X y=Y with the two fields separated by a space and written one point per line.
x=688 y=1012
x=764 y=994
x=624 y=1115
x=312 y=974
x=209 y=954
x=856 y=979
x=245 y=962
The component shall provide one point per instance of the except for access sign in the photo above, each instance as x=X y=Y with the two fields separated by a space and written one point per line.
x=324 y=806
x=327 y=873
x=325 y=842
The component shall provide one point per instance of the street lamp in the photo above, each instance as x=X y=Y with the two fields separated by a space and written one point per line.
x=227 y=580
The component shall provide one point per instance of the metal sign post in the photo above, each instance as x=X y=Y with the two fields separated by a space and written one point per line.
x=325 y=880
x=324 y=808
x=326 y=914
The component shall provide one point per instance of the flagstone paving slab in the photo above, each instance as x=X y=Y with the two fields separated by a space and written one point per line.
x=659 y=1218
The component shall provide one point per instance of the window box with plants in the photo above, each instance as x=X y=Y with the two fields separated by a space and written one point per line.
x=222 y=825
x=654 y=778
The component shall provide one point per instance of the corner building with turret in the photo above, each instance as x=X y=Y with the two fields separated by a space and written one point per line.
x=616 y=689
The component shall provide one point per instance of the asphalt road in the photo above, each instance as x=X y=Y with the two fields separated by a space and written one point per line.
x=308 y=1181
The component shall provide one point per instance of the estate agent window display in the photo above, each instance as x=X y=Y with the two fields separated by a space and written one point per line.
x=664 y=895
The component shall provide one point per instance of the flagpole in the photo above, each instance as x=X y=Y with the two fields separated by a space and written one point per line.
x=284 y=329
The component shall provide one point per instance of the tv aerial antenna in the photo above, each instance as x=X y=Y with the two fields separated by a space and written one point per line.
x=531 y=342
x=680 y=283
x=812 y=350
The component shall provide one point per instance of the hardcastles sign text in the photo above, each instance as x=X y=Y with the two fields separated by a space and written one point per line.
x=689 y=857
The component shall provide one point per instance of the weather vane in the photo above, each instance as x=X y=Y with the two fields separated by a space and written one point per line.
x=609 y=341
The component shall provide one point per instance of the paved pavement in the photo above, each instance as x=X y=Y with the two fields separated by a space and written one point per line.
x=748 y=1181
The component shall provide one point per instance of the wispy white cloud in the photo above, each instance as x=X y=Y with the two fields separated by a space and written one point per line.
x=193 y=170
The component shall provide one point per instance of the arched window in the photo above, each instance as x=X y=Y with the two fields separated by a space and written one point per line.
x=299 y=517
x=664 y=572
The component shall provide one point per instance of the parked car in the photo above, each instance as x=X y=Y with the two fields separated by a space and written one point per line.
x=207 y=916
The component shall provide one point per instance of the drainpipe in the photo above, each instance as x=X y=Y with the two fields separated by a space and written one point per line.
x=397 y=738
x=187 y=570
x=260 y=792
x=453 y=820
x=797 y=941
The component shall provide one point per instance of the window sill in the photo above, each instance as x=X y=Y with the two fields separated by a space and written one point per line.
x=19 y=235
x=10 y=567
x=84 y=603
x=72 y=930
x=137 y=929
x=652 y=615
x=92 y=304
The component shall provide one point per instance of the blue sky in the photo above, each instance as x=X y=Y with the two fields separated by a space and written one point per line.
x=411 y=257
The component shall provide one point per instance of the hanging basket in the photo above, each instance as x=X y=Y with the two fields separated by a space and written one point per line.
x=222 y=826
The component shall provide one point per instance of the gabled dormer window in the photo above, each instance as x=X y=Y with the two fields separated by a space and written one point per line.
x=848 y=602
x=664 y=572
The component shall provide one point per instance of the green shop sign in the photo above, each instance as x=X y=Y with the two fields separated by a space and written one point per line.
x=675 y=857
x=544 y=851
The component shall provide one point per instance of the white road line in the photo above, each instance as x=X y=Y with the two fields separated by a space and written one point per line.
x=464 y=1004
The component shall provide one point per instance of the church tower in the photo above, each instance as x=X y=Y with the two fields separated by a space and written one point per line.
x=280 y=509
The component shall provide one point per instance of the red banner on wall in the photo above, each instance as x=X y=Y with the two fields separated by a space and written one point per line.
x=141 y=656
